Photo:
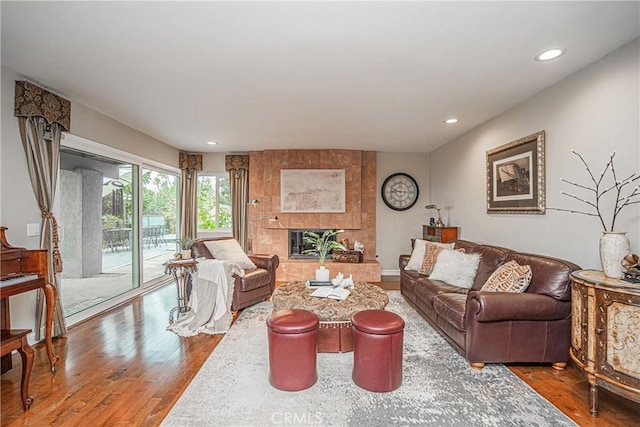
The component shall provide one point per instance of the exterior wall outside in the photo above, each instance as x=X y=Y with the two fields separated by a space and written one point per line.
x=594 y=111
x=71 y=245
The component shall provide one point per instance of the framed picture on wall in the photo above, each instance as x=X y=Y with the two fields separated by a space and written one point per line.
x=312 y=190
x=515 y=176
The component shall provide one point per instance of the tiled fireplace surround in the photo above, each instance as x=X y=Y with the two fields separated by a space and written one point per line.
x=268 y=235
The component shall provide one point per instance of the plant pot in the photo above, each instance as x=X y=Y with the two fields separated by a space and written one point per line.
x=614 y=245
x=322 y=274
x=186 y=253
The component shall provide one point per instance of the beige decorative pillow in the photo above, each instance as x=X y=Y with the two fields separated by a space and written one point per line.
x=430 y=257
x=230 y=250
x=509 y=277
x=419 y=248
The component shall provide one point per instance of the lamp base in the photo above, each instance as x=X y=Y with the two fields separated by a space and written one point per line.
x=439 y=223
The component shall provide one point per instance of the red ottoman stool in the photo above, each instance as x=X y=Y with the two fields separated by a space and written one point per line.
x=377 y=350
x=293 y=347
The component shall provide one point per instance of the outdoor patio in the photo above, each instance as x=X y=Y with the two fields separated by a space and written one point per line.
x=116 y=276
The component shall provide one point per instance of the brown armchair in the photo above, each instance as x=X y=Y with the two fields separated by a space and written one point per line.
x=256 y=285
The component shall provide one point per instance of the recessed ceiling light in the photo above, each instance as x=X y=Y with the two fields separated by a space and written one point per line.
x=212 y=142
x=548 y=55
x=451 y=121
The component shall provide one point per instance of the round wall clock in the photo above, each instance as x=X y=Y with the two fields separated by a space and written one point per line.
x=400 y=191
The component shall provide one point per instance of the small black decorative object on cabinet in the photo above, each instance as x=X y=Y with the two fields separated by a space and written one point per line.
x=400 y=191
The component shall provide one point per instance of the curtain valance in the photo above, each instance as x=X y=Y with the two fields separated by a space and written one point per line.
x=32 y=100
x=190 y=161
x=236 y=162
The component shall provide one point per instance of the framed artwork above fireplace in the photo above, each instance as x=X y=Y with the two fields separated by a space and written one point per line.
x=312 y=190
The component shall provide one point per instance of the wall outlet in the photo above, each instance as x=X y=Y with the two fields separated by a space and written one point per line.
x=33 y=229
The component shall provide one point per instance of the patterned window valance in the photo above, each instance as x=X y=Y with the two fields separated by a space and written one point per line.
x=236 y=162
x=190 y=161
x=32 y=100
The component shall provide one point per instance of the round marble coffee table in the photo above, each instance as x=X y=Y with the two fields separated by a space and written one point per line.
x=335 y=315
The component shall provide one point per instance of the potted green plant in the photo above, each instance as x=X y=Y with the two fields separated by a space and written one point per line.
x=321 y=246
x=184 y=247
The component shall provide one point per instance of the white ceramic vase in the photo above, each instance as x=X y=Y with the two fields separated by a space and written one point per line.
x=614 y=245
x=186 y=253
x=322 y=274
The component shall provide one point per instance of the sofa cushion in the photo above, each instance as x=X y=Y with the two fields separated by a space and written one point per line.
x=456 y=268
x=427 y=289
x=509 y=277
x=229 y=250
x=417 y=255
x=451 y=307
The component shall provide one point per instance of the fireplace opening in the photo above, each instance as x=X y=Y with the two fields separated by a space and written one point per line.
x=297 y=245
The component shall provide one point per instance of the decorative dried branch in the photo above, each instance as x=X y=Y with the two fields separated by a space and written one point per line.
x=618 y=186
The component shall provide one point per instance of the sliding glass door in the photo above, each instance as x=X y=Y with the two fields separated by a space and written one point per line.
x=117 y=217
x=159 y=221
x=98 y=228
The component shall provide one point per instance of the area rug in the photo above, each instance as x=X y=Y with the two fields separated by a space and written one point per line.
x=438 y=389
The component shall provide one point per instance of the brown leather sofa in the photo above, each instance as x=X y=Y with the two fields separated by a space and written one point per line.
x=256 y=285
x=486 y=327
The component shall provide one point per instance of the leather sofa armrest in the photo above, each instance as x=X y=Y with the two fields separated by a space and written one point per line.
x=497 y=306
x=268 y=262
x=403 y=260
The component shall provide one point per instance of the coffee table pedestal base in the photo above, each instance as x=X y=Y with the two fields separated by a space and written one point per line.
x=335 y=337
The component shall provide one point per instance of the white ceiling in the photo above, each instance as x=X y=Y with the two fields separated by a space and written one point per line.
x=379 y=76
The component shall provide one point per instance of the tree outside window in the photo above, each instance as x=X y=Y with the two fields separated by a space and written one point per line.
x=159 y=197
x=214 y=202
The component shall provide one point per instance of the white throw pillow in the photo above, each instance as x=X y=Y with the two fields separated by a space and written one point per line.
x=456 y=268
x=417 y=256
x=229 y=250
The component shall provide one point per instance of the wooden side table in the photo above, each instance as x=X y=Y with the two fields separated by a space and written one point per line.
x=605 y=334
x=182 y=271
x=439 y=234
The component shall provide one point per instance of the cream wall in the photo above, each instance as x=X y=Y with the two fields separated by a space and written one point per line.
x=396 y=228
x=18 y=206
x=595 y=111
x=91 y=125
x=213 y=163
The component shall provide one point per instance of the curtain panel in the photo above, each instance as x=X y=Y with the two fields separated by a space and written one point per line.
x=42 y=116
x=190 y=164
x=238 y=168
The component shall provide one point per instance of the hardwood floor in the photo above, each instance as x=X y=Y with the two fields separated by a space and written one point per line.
x=121 y=368
x=124 y=368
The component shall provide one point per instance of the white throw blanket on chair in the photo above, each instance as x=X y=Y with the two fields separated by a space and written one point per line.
x=210 y=301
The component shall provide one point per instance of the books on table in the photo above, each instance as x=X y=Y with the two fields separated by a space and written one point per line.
x=313 y=283
x=333 y=293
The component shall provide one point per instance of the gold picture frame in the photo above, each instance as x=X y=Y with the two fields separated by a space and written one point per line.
x=516 y=176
